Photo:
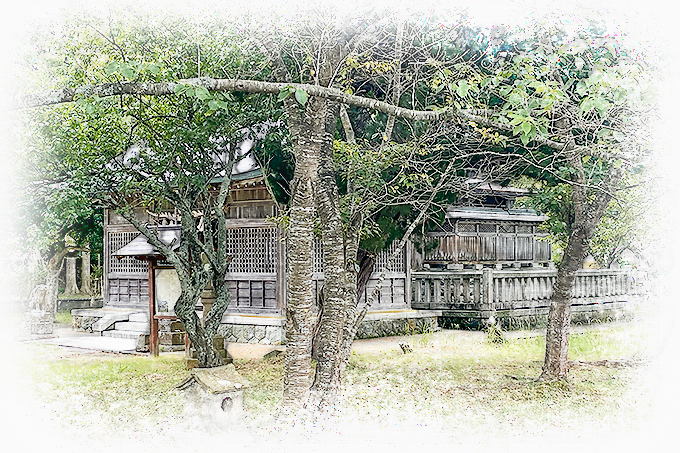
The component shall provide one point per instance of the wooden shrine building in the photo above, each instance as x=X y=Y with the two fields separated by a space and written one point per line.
x=487 y=259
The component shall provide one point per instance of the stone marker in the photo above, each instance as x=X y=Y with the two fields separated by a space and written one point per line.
x=214 y=393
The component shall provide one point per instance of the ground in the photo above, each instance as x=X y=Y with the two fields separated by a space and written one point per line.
x=455 y=390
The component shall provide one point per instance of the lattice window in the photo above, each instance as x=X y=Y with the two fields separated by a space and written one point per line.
x=448 y=226
x=524 y=229
x=506 y=228
x=487 y=228
x=253 y=250
x=128 y=264
x=397 y=264
x=466 y=227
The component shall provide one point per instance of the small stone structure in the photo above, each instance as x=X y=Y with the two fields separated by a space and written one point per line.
x=214 y=393
x=38 y=322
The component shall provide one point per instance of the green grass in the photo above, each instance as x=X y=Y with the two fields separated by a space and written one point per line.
x=64 y=317
x=120 y=389
x=463 y=383
x=467 y=384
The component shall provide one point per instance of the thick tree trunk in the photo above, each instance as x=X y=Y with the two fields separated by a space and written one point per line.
x=332 y=314
x=85 y=279
x=307 y=135
x=71 y=288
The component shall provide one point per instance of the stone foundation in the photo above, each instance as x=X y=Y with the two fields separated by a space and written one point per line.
x=70 y=304
x=534 y=318
x=391 y=327
x=84 y=323
x=251 y=333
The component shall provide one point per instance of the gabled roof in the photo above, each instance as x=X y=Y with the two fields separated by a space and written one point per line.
x=488 y=213
x=140 y=247
x=491 y=188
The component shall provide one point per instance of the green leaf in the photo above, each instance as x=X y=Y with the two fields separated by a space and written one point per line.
x=596 y=77
x=547 y=102
x=526 y=127
x=179 y=88
x=154 y=68
x=578 y=62
x=582 y=88
x=283 y=94
x=618 y=136
x=111 y=68
x=602 y=106
x=202 y=93
x=463 y=88
x=515 y=98
x=127 y=71
x=604 y=133
x=525 y=139
x=586 y=105
x=301 y=96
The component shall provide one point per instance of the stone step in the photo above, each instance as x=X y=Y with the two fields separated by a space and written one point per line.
x=139 y=317
x=141 y=327
x=128 y=334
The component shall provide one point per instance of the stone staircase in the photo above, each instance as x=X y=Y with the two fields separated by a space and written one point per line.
x=136 y=325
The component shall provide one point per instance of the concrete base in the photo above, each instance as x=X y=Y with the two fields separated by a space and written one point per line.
x=75 y=303
x=258 y=329
x=271 y=330
x=533 y=318
x=398 y=322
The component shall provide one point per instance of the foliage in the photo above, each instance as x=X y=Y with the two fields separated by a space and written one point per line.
x=624 y=225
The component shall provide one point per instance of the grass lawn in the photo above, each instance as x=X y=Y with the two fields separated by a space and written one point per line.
x=457 y=386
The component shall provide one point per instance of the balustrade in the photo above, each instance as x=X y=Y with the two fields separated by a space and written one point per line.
x=491 y=289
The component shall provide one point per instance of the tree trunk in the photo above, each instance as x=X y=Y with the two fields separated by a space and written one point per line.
x=587 y=214
x=54 y=266
x=85 y=279
x=185 y=309
x=71 y=288
x=307 y=135
x=332 y=314
x=555 y=365
x=366 y=267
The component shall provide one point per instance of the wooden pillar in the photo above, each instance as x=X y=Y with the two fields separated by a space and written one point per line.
x=280 y=275
x=407 y=270
x=487 y=289
x=153 y=322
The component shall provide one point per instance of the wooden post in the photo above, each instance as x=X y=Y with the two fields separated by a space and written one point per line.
x=280 y=275
x=153 y=322
x=407 y=271
x=487 y=289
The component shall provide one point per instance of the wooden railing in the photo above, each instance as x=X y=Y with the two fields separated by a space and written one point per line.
x=491 y=289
